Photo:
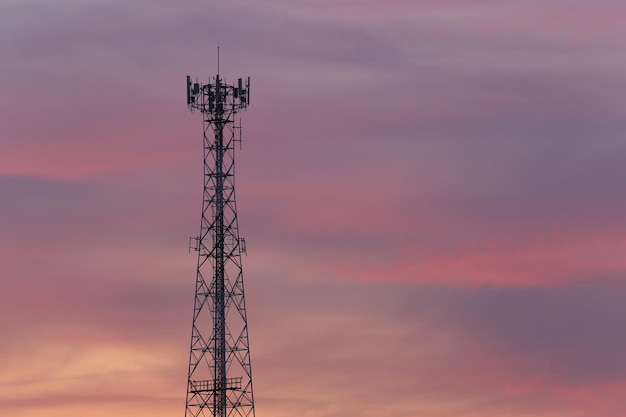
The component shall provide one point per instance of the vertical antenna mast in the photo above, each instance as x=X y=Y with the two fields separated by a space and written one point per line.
x=219 y=382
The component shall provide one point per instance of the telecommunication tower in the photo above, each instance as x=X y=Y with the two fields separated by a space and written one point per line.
x=219 y=382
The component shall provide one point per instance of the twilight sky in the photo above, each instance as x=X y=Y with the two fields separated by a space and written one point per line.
x=432 y=195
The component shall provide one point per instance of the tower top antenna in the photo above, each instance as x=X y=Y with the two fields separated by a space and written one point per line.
x=218 y=59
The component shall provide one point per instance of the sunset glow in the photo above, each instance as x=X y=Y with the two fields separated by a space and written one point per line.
x=432 y=195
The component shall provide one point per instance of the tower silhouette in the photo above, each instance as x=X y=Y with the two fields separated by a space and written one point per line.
x=219 y=382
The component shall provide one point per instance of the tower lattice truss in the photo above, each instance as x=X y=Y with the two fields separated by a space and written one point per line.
x=219 y=382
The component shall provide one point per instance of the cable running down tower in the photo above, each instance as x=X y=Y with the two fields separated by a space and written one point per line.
x=219 y=382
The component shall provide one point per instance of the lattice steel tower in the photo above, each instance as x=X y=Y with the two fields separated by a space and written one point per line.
x=219 y=382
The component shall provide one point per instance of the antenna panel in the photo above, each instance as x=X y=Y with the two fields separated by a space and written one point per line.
x=248 y=90
x=188 y=90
